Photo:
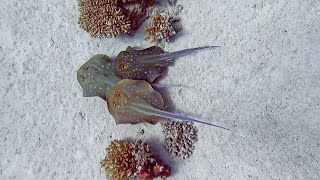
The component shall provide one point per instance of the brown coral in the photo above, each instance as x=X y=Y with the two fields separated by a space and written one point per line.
x=109 y=18
x=180 y=138
x=133 y=160
x=161 y=27
x=103 y=19
x=119 y=160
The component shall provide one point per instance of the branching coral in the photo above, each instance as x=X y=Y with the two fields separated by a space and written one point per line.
x=103 y=19
x=161 y=27
x=180 y=138
x=109 y=18
x=133 y=160
x=119 y=160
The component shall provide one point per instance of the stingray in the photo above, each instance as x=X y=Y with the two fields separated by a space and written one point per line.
x=96 y=76
x=147 y=64
x=135 y=101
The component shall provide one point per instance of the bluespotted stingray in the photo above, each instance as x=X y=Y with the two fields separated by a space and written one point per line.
x=147 y=64
x=135 y=101
x=96 y=76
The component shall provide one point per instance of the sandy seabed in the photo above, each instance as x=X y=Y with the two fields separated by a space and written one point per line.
x=264 y=82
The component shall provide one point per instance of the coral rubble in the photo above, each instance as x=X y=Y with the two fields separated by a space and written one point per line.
x=180 y=138
x=126 y=160
x=161 y=27
x=109 y=18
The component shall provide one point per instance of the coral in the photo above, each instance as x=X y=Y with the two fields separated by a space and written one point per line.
x=142 y=153
x=103 y=19
x=161 y=27
x=133 y=160
x=180 y=138
x=119 y=160
x=109 y=18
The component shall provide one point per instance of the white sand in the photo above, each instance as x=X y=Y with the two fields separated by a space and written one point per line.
x=263 y=82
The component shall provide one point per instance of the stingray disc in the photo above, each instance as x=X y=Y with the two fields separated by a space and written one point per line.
x=127 y=67
x=96 y=76
x=128 y=92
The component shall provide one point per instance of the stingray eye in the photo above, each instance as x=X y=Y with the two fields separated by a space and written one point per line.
x=117 y=95
x=123 y=67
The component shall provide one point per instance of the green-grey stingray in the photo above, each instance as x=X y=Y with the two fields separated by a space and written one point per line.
x=97 y=76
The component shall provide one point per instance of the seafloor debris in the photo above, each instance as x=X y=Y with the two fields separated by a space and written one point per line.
x=144 y=2
x=109 y=18
x=161 y=27
x=133 y=160
x=140 y=132
x=180 y=138
x=172 y=2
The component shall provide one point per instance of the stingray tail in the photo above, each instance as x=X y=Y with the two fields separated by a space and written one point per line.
x=168 y=56
x=159 y=86
x=150 y=111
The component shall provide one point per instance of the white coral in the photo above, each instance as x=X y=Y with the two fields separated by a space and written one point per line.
x=161 y=27
x=180 y=138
